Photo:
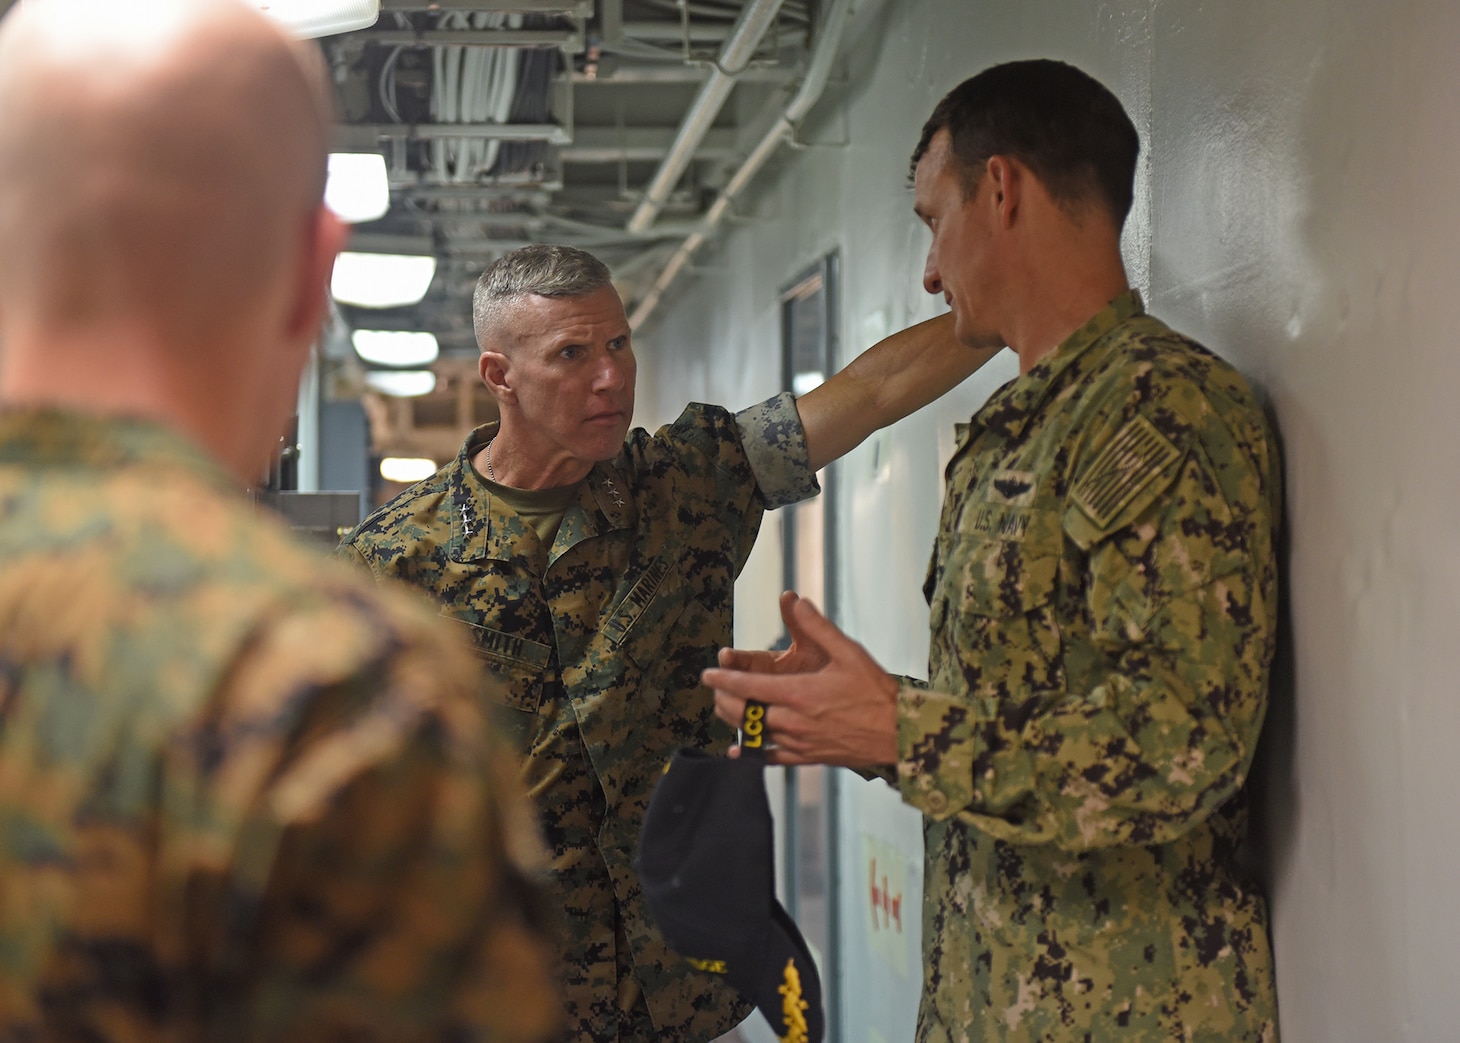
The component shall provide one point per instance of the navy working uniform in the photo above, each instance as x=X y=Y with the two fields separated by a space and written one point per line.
x=1103 y=594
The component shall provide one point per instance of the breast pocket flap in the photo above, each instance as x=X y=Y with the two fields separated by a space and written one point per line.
x=1000 y=578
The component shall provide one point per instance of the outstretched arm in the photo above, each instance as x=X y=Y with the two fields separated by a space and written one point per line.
x=894 y=377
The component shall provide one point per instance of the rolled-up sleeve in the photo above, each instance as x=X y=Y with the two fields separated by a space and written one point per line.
x=775 y=445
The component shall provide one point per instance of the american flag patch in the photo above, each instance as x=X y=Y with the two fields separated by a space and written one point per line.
x=1137 y=454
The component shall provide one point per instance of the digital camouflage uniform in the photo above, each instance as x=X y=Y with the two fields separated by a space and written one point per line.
x=243 y=794
x=599 y=643
x=1103 y=594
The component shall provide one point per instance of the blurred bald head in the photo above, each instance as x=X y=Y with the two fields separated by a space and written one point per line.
x=158 y=161
x=166 y=247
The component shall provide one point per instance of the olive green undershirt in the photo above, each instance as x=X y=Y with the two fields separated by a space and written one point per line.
x=543 y=509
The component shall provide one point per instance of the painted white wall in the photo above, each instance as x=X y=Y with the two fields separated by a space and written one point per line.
x=1296 y=213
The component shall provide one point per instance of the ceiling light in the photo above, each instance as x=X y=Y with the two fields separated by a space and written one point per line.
x=310 y=18
x=401 y=383
x=395 y=347
x=381 y=280
x=357 y=189
x=406 y=469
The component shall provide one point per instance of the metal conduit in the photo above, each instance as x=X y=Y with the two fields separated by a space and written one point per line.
x=811 y=87
x=745 y=37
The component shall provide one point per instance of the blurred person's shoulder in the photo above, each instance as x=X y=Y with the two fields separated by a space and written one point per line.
x=155 y=562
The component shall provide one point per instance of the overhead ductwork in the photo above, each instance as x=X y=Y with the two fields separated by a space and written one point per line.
x=812 y=85
x=757 y=17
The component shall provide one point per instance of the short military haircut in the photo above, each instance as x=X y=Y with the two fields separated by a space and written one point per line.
x=1061 y=123
x=539 y=270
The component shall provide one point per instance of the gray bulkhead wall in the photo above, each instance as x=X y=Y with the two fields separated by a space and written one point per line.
x=1298 y=213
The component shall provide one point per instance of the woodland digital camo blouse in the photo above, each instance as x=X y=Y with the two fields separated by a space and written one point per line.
x=1103 y=593
x=244 y=794
x=599 y=641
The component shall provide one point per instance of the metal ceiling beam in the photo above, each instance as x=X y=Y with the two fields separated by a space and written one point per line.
x=397 y=243
x=633 y=75
x=595 y=144
x=451 y=220
x=612 y=198
x=549 y=132
x=388 y=243
x=482 y=247
x=446 y=219
x=709 y=32
x=589 y=198
x=673 y=32
x=611 y=20
x=567 y=39
x=434 y=193
x=614 y=144
x=754 y=21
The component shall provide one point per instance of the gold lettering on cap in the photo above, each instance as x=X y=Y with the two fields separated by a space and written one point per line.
x=793 y=1007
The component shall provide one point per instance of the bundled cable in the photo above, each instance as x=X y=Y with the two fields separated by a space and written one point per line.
x=472 y=85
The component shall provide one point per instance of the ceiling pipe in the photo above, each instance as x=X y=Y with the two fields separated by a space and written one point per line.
x=812 y=85
x=754 y=21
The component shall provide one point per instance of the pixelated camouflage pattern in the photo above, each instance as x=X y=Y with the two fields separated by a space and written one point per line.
x=244 y=795
x=599 y=641
x=1103 y=593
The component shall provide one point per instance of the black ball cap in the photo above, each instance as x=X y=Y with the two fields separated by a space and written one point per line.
x=706 y=864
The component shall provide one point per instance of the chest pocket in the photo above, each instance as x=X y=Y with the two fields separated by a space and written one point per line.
x=996 y=632
x=1005 y=563
x=1000 y=578
x=518 y=664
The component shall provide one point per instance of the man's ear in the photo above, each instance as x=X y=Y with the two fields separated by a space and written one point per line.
x=1006 y=188
x=495 y=369
x=322 y=242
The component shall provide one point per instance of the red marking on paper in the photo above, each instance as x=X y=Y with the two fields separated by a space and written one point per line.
x=884 y=902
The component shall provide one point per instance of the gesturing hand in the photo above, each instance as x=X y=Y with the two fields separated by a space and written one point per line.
x=828 y=701
x=803 y=656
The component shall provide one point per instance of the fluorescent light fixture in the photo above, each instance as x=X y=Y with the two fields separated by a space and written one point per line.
x=311 y=18
x=381 y=280
x=401 y=383
x=406 y=469
x=357 y=189
x=395 y=347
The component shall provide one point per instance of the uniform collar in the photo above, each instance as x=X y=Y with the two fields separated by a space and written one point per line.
x=482 y=526
x=1009 y=408
x=58 y=436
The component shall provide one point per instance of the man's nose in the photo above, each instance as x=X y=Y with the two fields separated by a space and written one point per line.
x=610 y=375
x=932 y=279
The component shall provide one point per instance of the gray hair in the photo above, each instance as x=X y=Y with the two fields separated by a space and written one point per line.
x=539 y=270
